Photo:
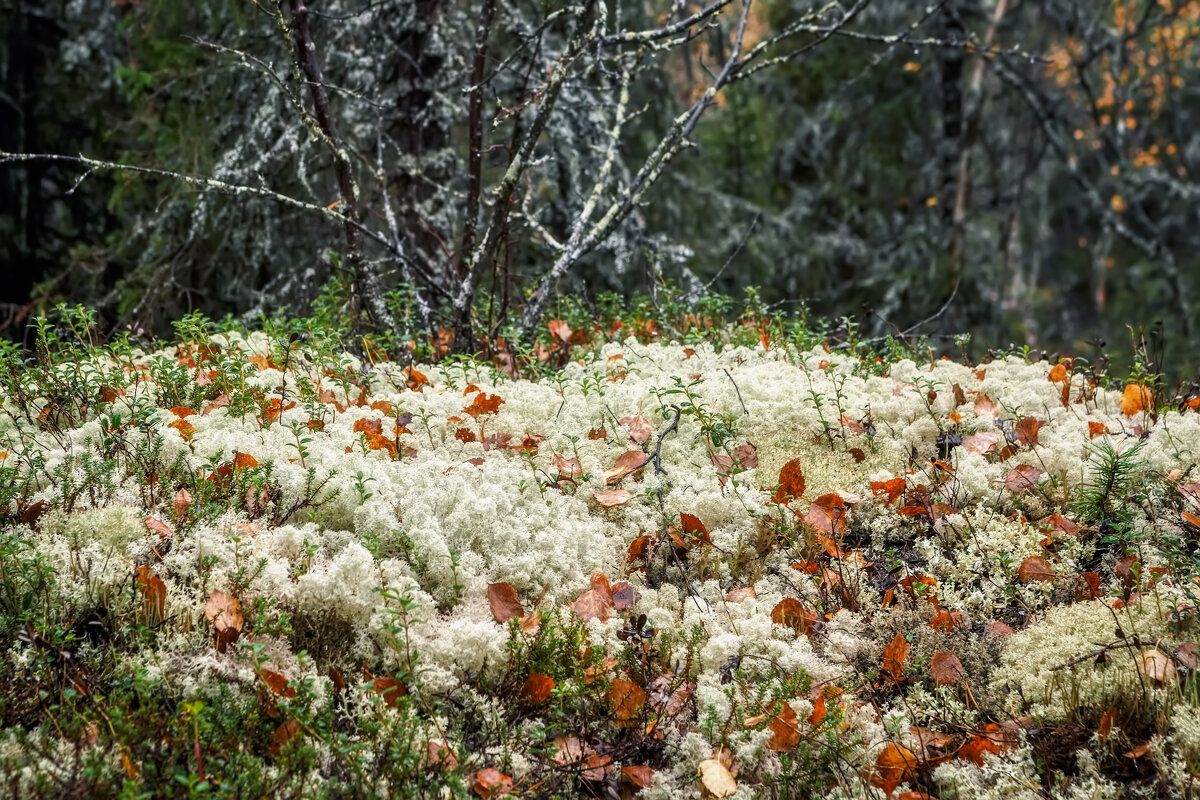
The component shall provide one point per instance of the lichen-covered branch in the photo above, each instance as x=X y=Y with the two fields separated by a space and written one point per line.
x=367 y=280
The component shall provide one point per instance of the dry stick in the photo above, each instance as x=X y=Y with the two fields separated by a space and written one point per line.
x=1121 y=644
x=657 y=457
x=582 y=242
x=662 y=536
x=475 y=134
x=739 y=393
x=216 y=185
x=305 y=54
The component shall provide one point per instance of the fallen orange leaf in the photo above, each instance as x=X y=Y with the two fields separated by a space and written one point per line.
x=791 y=483
x=1135 y=399
x=491 y=782
x=785 y=730
x=626 y=464
x=695 y=530
x=390 y=689
x=828 y=513
x=889 y=489
x=894 y=656
x=894 y=765
x=484 y=404
x=791 y=612
x=537 y=688
x=628 y=699
x=1022 y=478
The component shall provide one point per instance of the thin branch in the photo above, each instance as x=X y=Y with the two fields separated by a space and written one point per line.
x=502 y=192
x=953 y=293
x=475 y=132
x=305 y=54
x=207 y=184
x=666 y=31
x=745 y=410
x=741 y=243
x=582 y=243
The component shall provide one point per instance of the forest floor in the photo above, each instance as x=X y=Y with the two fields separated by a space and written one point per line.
x=735 y=564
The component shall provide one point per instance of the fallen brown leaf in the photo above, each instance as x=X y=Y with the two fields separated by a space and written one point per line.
x=626 y=464
x=945 y=667
x=502 y=598
x=1035 y=568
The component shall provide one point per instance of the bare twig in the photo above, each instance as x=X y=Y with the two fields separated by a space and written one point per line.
x=745 y=410
x=475 y=133
x=584 y=237
x=304 y=52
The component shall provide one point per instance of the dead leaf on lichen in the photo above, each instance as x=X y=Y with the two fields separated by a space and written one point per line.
x=491 y=782
x=894 y=656
x=740 y=593
x=827 y=514
x=983 y=442
x=626 y=464
x=695 y=533
x=1156 y=665
x=1035 y=568
x=946 y=669
x=893 y=766
x=785 y=730
x=628 y=700
x=791 y=612
x=1135 y=399
x=537 y=688
x=639 y=427
x=484 y=404
x=502 y=598
x=716 y=778
x=791 y=483
x=984 y=407
x=1022 y=478
x=596 y=602
x=639 y=775
x=569 y=468
x=389 y=688
x=610 y=498
x=153 y=590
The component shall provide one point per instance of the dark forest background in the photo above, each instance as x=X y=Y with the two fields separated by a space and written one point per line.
x=1020 y=170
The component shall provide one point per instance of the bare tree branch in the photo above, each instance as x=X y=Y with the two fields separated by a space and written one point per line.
x=305 y=53
x=475 y=133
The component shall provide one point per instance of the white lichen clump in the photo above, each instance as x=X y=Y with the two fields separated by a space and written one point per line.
x=393 y=542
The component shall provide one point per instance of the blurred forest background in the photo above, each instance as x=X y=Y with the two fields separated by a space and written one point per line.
x=1023 y=170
